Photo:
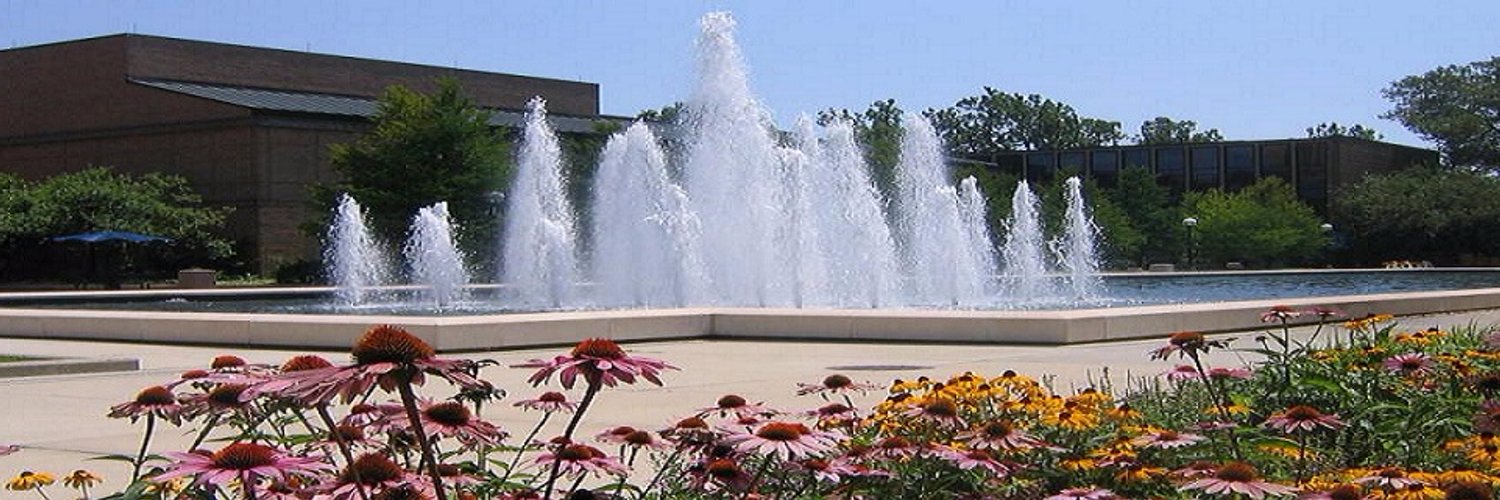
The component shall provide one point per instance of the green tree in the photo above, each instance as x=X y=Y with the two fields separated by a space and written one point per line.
x=1457 y=107
x=1333 y=129
x=995 y=121
x=878 y=128
x=1148 y=207
x=1262 y=225
x=1420 y=214
x=1163 y=130
x=422 y=149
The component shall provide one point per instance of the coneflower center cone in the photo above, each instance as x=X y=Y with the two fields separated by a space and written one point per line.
x=390 y=344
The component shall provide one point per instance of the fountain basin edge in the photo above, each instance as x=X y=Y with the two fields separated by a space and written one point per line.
x=509 y=331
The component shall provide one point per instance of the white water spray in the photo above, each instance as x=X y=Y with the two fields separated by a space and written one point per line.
x=540 y=247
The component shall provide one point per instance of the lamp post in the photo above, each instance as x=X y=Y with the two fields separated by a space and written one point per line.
x=1328 y=245
x=1190 y=223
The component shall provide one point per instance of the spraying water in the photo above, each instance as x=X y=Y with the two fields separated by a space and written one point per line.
x=801 y=229
x=1025 y=259
x=981 y=245
x=540 y=247
x=437 y=265
x=353 y=260
x=730 y=171
x=861 y=251
x=1079 y=245
x=645 y=235
x=934 y=245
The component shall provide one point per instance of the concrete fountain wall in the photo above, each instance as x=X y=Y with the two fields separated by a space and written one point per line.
x=491 y=332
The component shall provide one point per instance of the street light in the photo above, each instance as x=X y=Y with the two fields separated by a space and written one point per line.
x=1327 y=245
x=1190 y=223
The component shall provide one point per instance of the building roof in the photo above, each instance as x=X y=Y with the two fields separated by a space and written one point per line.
x=346 y=106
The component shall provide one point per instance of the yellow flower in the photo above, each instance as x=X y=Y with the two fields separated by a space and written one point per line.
x=173 y=487
x=1075 y=420
x=1138 y=472
x=1417 y=491
x=29 y=480
x=1288 y=450
x=909 y=386
x=1091 y=397
x=1233 y=409
x=1462 y=475
x=81 y=479
x=1123 y=413
x=1014 y=380
x=1078 y=464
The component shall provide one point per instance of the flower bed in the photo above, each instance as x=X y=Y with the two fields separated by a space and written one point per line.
x=1358 y=409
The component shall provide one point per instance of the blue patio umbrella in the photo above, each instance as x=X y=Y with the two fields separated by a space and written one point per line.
x=98 y=236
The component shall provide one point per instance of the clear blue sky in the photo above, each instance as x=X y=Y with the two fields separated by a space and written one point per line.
x=1252 y=69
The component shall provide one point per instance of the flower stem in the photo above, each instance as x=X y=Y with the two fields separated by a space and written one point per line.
x=140 y=457
x=1220 y=401
x=359 y=486
x=213 y=420
x=409 y=400
x=671 y=460
x=583 y=406
x=521 y=450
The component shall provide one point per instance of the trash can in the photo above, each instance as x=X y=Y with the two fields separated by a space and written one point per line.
x=197 y=278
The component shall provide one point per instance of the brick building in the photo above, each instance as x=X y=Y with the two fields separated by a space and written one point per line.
x=248 y=127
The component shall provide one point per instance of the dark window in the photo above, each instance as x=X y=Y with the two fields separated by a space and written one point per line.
x=1239 y=166
x=1276 y=160
x=1312 y=173
x=1013 y=164
x=1072 y=162
x=1137 y=158
x=1171 y=168
x=1040 y=168
x=1105 y=168
x=1205 y=167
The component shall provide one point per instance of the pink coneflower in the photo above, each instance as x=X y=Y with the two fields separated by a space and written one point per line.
x=225 y=398
x=1302 y=418
x=736 y=405
x=833 y=414
x=1181 y=373
x=790 y=440
x=895 y=447
x=1187 y=344
x=1340 y=492
x=615 y=435
x=371 y=472
x=1000 y=436
x=1412 y=363
x=1279 y=313
x=577 y=460
x=1167 y=439
x=1228 y=373
x=836 y=470
x=350 y=435
x=1195 y=470
x=974 y=459
x=724 y=472
x=7 y=449
x=691 y=432
x=156 y=400
x=1389 y=479
x=1211 y=426
x=549 y=402
x=599 y=361
x=365 y=414
x=245 y=462
x=835 y=384
x=941 y=411
x=451 y=419
x=1238 y=478
x=386 y=356
x=1084 y=494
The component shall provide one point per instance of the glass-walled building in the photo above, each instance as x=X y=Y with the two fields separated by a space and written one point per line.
x=1315 y=167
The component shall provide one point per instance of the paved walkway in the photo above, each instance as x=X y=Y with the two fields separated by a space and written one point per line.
x=60 y=419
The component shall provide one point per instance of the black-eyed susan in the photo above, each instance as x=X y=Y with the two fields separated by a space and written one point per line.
x=1072 y=420
x=29 y=480
x=1078 y=464
x=82 y=480
x=1135 y=472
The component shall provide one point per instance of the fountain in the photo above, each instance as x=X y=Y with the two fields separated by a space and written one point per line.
x=437 y=266
x=862 y=252
x=539 y=256
x=934 y=244
x=981 y=244
x=354 y=262
x=645 y=235
x=1025 y=261
x=1078 y=248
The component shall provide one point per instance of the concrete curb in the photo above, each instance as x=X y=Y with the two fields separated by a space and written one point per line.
x=67 y=366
